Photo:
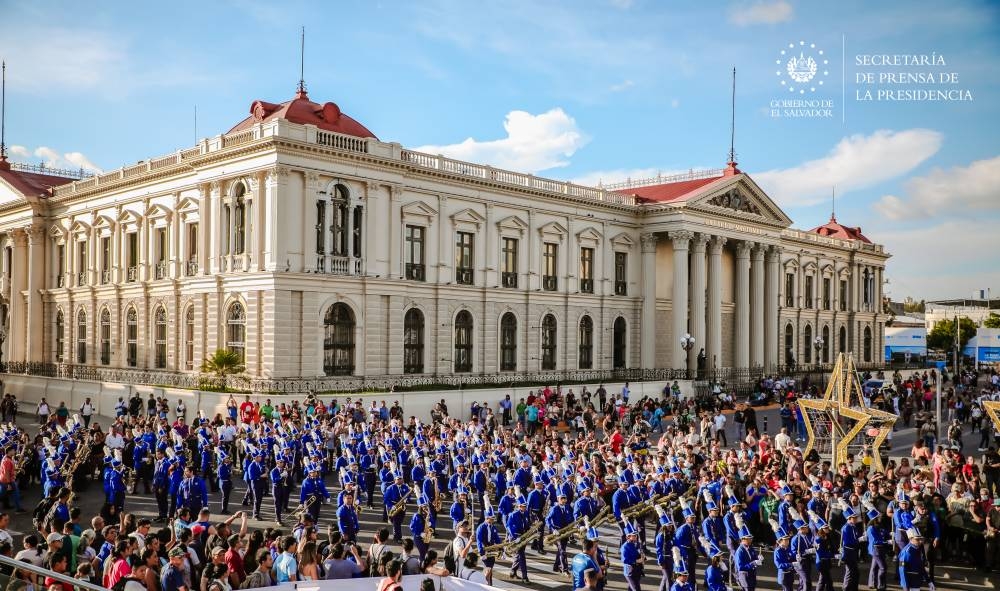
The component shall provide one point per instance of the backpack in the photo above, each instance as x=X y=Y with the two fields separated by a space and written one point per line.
x=449 y=557
x=41 y=516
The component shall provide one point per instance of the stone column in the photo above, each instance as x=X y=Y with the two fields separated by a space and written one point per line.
x=742 y=358
x=395 y=232
x=446 y=243
x=698 y=287
x=772 y=348
x=647 y=345
x=216 y=229
x=36 y=283
x=757 y=306
x=713 y=339
x=681 y=240
x=492 y=246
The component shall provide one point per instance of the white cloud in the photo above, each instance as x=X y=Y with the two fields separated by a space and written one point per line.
x=675 y=103
x=54 y=159
x=619 y=175
x=968 y=189
x=951 y=258
x=624 y=85
x=533 y=143
x=856 y=162
x=763 y=13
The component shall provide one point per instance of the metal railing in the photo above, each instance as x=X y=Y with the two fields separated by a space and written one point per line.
x=42 y=169
x=46 y=573
x=661 y=179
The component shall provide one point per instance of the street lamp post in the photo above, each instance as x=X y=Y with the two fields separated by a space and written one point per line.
x=818 y=345
x=687 y=343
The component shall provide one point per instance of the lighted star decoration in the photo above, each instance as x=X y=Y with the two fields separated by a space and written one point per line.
x=992 y=408
x=841 y=415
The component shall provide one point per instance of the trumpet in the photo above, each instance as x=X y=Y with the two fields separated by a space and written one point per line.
x=303 y=507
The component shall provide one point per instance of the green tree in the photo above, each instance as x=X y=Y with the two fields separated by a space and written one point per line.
x=223 y=363
x=942 y=336
x=993 y=321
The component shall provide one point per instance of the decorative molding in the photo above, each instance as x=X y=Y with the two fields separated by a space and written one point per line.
x=716 y=244
x=736 y=200
x=648 y=241
x=681 y=239
x=743 y=248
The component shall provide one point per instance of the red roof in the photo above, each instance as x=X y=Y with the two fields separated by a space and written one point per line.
x=302 y=110
x=668 y=192
x=30 y=183
x=834 y=229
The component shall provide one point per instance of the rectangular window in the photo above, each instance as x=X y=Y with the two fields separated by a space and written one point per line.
x=356 y=230
x=131 y=255
x=621 y=270
x=807 y=296
x=320 y=224
x=61 y=265
x=587 y=270
x=789 y=290
x=550 y=261
x=160 y=242
x=415 y=253
x=192 y=249
x=843 y=295
x=132 y=339
x=105 y=259
x=464 y=258
x=338 y=229
x=105 y=341
x=508 y=271
x=239 y=215
x=826 y=293
x=81 y=259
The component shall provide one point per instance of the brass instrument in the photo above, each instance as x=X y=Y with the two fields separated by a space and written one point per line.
x=437 y=496
x=603 y=516
x=303 y=507
x=130 y=478
x=640 y=509
x=400 y=505
x=496 y=550
x=529 y=537
x=564 y=532
x=428 y=534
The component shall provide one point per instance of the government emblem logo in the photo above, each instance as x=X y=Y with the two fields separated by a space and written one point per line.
x=802 y=67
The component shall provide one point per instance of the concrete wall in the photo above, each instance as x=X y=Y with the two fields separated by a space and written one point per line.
x=29 y=390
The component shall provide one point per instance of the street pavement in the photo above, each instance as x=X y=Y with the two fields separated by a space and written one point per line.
x=540 y=566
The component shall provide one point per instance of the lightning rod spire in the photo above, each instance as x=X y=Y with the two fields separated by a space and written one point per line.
x=3 y=111
x=302 y=65
x=732 y=125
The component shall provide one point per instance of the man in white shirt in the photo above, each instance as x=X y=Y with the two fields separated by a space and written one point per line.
x=782 y=441
x=4 y=534
x=114 y=440
x=720 y=428
x=86 y=411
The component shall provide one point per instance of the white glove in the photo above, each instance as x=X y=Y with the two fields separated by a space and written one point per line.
x=759 y=561
x=811 y=551
x=863 y=538
x=722 y=565
x=931 y=587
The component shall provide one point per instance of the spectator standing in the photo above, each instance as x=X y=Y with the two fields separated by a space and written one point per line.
x=87 y=412
x=43 y=412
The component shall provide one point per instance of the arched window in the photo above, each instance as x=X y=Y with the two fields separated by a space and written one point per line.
x=789 y=345
x=842 y=345
x=508 y=342
x=413 y=341
x=189 y=339
x=131 y=337
x=868 y=344
x=463 y=342
x=586 y=343
x=619 y=341
x=236 y=330
x=338 y=341
x=81 y=337
x=160 y=336
x=807 y=344
x=338 y=229
x=549 y=342
x=826 y=344
x=105 y=337
x=60 y=336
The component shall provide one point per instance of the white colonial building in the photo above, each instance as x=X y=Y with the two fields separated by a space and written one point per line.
x=325 y=255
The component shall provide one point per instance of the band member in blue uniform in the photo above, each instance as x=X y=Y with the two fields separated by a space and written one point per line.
x=487 y=535
x=536 y=509
x=665 y=548
x=560 y=515
x=746 y=562
x=279 y=487
x=825 y=549
x=912 y=570
x=517 y=524
x=394 y=494
x=225 y=477
x=902 y=520
x=420 y=526
x=313 y=491
x=681 y=582
x=347 y=519
x=804 y=549
x=632 y=557
x=161 y=483
x=878 y=549
x=192 y=492
x=459 y=508
x=850 y=548
x=686 y=538
x=784 y=560
x=715 y=572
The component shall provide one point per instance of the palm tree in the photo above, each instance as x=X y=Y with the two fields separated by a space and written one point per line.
x=223 y=362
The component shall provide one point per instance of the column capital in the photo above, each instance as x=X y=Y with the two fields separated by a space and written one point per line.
x=743 y=249
x=395 y=192
x=35 y=234
x=774 y=253
x=681 y=239
x=716 y=243
x=648 y=242
x=312 y=180
x=759 y=251
x=371 y=186
x=699 y=241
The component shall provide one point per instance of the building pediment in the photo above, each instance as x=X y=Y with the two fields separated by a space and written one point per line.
x=588 y=235
x=553 y=231
x=623 y=241
x=418 y=209
x=512 y=223
x=740 y=198
x=468 y=216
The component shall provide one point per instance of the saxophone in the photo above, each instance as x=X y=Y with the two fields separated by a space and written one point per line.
x=437 y=496
x=400 y=505
x=428 y=533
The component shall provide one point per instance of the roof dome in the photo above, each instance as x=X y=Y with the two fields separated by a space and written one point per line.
x=300 y=109
x=835 y=229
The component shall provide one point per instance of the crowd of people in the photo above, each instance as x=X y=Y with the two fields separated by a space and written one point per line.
x=540 y=474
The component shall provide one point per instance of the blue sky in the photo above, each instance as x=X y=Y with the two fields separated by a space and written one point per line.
x=591 y=91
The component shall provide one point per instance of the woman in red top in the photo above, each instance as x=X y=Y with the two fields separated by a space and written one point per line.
x=616 y=441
